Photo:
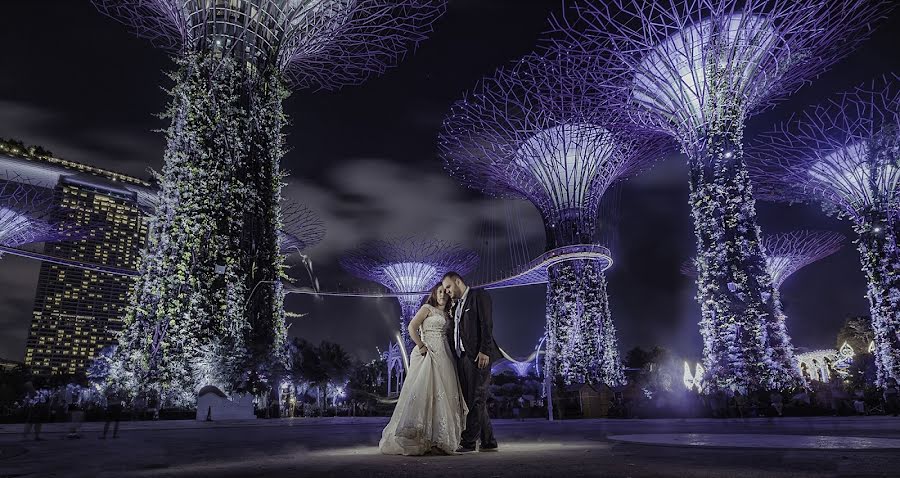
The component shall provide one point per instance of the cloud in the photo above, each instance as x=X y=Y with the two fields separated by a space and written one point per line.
x=379 y=199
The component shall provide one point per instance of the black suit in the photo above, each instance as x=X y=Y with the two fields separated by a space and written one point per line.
x=476 y=327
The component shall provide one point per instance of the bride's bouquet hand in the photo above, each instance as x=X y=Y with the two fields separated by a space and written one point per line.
x=423 y=349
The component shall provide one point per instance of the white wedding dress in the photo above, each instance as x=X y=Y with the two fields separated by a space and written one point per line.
x=430 y=412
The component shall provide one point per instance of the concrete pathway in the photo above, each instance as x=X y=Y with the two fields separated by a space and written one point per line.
x=347 y=447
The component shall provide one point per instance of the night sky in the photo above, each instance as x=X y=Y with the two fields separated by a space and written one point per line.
x=365 y=159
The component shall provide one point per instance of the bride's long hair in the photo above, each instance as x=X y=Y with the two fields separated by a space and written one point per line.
x=433 y=301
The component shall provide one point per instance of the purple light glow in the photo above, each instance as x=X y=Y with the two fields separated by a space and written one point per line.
x=844 y=155
x=532 y=131
x=321 y=44
x=28 y=214
x=824 y=154
x=408 y=265
x=670 y=64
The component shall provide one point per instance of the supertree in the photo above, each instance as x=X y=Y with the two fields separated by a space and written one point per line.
x=789 y=252
x=301 y=228
x=214 y=237
x=845 y=154
x=530 y=131
x=408 y=266
x=786 y=254
x=696 y=70
x=31 y=214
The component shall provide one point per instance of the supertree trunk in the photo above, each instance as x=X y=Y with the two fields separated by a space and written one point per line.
x=581 y=336
x=408 y=308
x=746 y=346
x=880 y=258
x=597 y=320
x=264 y=260
x=212 y=239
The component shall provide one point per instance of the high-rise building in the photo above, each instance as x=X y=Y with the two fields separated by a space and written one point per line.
x=77 y=311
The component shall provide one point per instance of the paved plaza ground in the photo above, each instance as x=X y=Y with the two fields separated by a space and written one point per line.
x=347 y=447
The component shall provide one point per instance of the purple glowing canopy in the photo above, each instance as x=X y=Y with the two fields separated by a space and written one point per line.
x=824 y=154
x=316 y=43
x=301 y=228
x=789 y=252
x=27 y=213
x=533 y=131
x=676 y=64
x=408 y=264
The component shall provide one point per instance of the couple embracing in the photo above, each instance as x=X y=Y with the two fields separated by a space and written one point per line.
x=442 y=406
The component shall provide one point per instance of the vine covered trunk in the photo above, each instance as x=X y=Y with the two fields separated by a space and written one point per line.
x=207 y=306
x=880 y=258
x=745 y=342
x=581 y=343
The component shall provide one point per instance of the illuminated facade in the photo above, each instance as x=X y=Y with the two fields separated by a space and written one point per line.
x=78 y=311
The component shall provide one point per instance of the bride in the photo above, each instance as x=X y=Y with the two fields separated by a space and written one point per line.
x=430 y=413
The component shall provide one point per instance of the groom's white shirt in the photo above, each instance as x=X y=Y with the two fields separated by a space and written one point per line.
x=459 y=310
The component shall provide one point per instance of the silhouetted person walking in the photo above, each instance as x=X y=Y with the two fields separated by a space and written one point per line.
x=113 y=415
x=891 y=397
x=76 y=417
x=36 y=410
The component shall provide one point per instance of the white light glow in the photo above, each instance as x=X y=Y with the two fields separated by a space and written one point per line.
x=411 y=276
x=566 y=159
x=847 y=172
x=672 y=79
x=687 y=378
x=695 y=380
x=846 y=351
x=818 y=363
x=12 y=225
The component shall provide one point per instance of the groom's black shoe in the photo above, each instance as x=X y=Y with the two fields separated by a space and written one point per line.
x=488 y=447
x=465 y=449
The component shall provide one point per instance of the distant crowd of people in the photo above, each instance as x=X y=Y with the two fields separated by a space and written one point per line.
x=43 y=406
x=823 y=398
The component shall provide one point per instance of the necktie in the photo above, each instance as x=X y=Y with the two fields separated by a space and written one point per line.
x=457 y=340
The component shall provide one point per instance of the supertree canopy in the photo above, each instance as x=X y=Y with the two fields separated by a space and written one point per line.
x=211 y=279
x=789 y=252
x=530 y=131
x=26 y=213
x=696 y=70
x=845 y=154
x=301 y=228
x=408 y=267
x=315 y=43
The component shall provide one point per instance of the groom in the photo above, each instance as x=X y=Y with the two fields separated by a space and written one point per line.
x=473 y=341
